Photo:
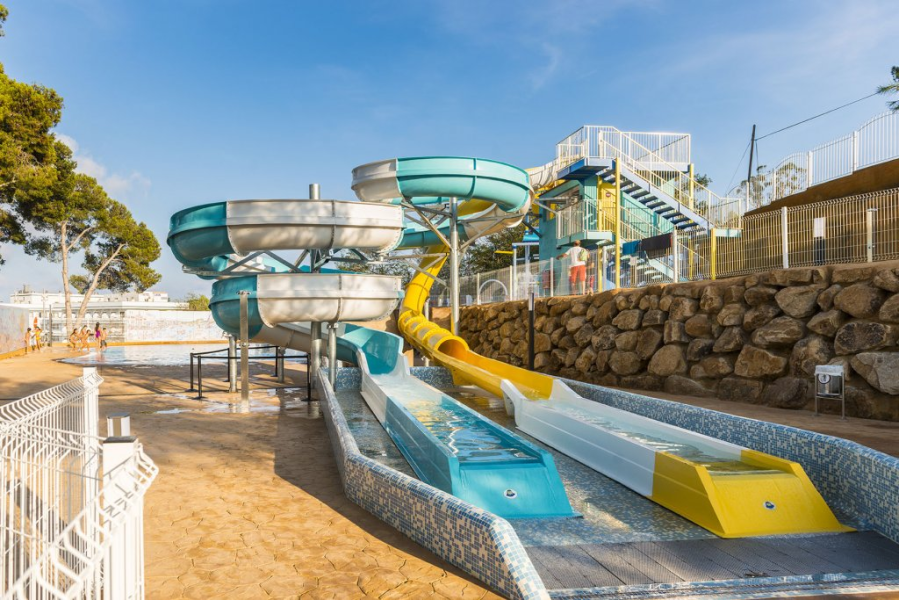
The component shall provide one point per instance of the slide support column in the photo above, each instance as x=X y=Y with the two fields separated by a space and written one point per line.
x=332 y=353
x=315 y=329
x=454 y=265
x=617 y=225
x=232 y=364
x=244 y=347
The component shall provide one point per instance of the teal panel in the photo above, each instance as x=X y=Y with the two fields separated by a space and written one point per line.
x=502 y=184
x=225 y=304
x=198 y=236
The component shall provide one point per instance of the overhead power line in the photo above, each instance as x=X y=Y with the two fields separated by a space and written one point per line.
x=816 y=116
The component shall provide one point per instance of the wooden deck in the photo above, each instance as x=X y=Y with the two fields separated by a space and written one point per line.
x=636 y=563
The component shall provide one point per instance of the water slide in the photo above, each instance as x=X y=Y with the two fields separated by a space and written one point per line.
x=448 y=445
x=731 y=491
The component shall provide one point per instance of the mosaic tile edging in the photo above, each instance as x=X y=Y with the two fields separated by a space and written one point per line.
x=851 y=477
x=745 y=589
x=474 y=540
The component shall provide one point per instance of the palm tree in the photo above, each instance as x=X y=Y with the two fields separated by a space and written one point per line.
x=892 y=88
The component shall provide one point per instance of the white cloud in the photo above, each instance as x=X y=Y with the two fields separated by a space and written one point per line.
x=117 y=185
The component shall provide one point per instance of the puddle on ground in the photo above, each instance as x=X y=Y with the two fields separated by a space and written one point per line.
x=289 y=401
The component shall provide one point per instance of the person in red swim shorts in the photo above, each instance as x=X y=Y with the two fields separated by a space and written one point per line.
x=577 y=269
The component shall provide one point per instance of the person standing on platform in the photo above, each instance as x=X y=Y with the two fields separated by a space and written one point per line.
x=577 y=268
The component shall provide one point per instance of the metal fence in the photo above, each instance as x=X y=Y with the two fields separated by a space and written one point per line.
x=874 y=142
x=862 y=228
x=71 y=517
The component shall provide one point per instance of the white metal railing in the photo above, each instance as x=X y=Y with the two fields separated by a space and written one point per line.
x=874 y=142
x=71 y=516
x=661 y=164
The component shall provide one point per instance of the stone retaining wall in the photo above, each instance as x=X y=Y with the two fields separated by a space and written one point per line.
x=752 y=339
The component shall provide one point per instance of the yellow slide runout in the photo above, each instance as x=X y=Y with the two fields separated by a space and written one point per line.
x=777 y=499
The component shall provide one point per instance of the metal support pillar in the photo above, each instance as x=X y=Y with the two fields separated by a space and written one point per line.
x=232 y=364
x=617 y=224
x=314 y=191
x=244 y=347
x=427 y=314
x=691 y=175
x=315 y=351
x=332 y=353
x=279 y=361
x=454 y=265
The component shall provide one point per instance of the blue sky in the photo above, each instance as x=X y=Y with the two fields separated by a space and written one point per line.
x=173 y=103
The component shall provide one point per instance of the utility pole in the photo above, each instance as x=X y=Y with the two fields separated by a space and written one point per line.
x=749 y=176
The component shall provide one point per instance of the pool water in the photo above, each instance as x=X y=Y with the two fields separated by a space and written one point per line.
x=157 y=355
x=468 y=436
x=717 y=463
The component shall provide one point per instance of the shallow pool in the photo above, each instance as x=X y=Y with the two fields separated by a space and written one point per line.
x=161 y=355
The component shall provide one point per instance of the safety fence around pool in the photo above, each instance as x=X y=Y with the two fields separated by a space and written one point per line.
x=855 y=229
x=71 y=517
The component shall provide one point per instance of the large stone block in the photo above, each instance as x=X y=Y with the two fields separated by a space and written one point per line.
x=542 y=343
x=585 y=361
x=575 y=323
x=731 y=315
x=737 y=389
x=887 y=279
x=604 y=337
x=787 y=392
x=861 y=300
x=787 y=277
x=684 y=386
x=701 y=326
x=602 y=360
x=627 y=341
x=782 y=331
x=628 y=320
x=541 y=361
x=825 y=298
x=649 y=302
x=605 y=313
x=713 y=367
x=731 y=340
x=682 y=309
x=798 y=302
x=583 y=335
x=889 y=312
x=880 y=369
x=649 y=341
x=557 y=335
x=699 y=349
x=625 y=363
x=572 y=356
x=642 y=381
x=567 y=342
x=759 y=315
x=809 y=353
x=854 y=274
x=675 y=332
x=861 y=336
x=712 y=300
x=654 y=316
x=759 y=294
x=579 y=307
x=827 y=323
x=759 y=363
x=668 y=360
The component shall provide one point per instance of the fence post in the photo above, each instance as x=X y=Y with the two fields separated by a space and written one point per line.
x=244 y=347
x=809 y=174
x=713 y=251
x=232 y=364
x=477 y=282
x=675 y=262
x=855 y=151
x=531 y=331
x=869 y=233
x=124 y=557
x=785 y=237
x=552 y=278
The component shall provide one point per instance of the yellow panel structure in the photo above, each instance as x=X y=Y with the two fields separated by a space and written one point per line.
x=777 y=498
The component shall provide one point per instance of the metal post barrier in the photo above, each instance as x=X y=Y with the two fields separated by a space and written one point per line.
x=531 y=331
x=315 y=351
x=675 y=261
x=120 y=455
x=244 y=347
x=199 y=378
x=617 y=224
x=191 y=388
x=232 y=364
x=279 y=362
x=785 y=237
x=713 y=252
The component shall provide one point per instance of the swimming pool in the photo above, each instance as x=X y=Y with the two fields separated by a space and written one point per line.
x=156 y=355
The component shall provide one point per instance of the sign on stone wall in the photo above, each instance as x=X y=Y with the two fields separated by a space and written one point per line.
x=170 y=326
x=13 y=323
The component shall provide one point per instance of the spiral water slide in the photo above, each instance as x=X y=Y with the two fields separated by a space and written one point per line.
x=447 y=444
